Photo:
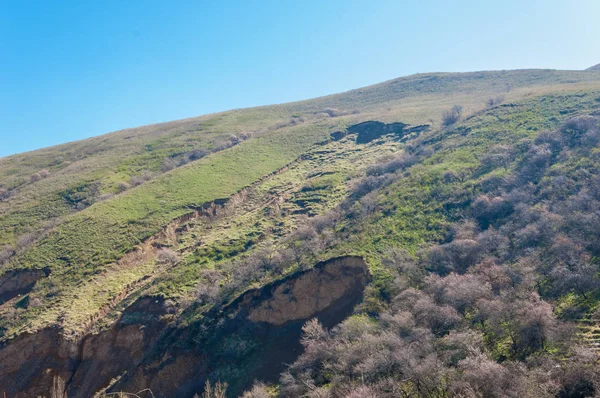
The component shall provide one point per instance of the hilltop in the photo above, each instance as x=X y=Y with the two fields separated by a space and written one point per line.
x=436 y=225
x=595 y=67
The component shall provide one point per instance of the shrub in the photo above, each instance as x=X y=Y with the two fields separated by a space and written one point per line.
x=140 y=179
x=105 y=196
x=457 y=256
x=385 y=166
x=451 y=116
x=498 y=156
x=360 y=391
x=370 y=183
x=495 y=101
x=576 y=128
x=169 y=164
x=245 y=135
x=195 y=155
x=206 y=293
x=25 y=241
x=258 y=390
x=313 y=332
x=122 y=186
x=218 y=391
x=6 y=254
x=488 y=211
x=440 y=319
x=459 y=291
x=167 y=257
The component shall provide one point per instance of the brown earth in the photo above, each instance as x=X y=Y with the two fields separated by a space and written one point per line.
x=252 y=338
x=15 y=283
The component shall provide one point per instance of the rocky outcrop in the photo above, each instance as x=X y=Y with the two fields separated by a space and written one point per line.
x=338 y=135
x=371 y=130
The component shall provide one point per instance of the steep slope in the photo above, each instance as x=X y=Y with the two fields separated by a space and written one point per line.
x=149 y=281
x=594 y=68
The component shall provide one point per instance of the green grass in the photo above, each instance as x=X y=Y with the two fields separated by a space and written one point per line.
x=414 y=212
x=86 y=244
x=116 y=157
x=106 y=230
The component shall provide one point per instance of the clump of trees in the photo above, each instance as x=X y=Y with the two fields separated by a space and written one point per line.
x=475 y=315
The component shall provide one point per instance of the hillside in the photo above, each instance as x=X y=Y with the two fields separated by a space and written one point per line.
x=442 y=253
x=594 y=68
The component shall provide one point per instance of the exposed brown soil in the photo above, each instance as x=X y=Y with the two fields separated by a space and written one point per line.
x=252 y=338
x=30 y=362
x=19 y=282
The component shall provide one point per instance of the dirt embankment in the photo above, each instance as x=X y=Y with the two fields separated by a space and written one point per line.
x=252 y=338
x=29 y=363
x=17 y=282
x=255 y=336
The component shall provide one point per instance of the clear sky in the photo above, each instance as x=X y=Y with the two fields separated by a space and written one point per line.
x=74 y=69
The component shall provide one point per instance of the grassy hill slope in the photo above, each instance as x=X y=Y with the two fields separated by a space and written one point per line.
x=198 y=211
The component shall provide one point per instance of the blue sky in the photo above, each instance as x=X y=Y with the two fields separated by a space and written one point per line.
x=75 y=69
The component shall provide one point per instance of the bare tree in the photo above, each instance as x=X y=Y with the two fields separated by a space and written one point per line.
x=259 y=390
x=218 y=391
x=58 y=388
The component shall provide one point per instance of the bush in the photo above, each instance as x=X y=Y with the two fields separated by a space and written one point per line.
x=451 y=116
x=6 y=254
x=488 y=211
x=218 y=391
x=167 y=257
x=495 y=101
x=259 y=390
x=25 y=241
x=459 y=291
x=35 y=177
x=195 y=155
x=169 y=164
x=386 y=166
x=140 y=179
x=122 y=187
x=206 y=293
x=576 y=128
x=457 y=256
x=498 y=156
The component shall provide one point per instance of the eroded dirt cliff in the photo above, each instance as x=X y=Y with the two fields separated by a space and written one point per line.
x=251 y=338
